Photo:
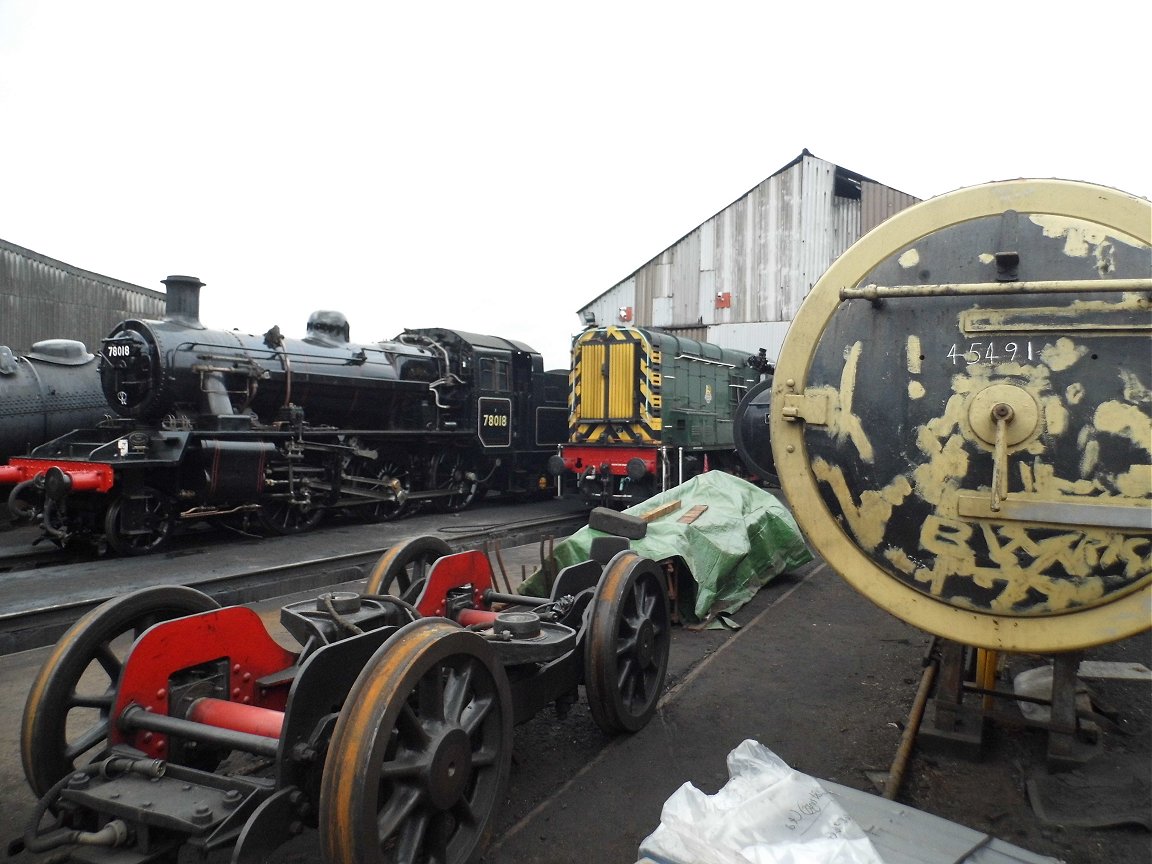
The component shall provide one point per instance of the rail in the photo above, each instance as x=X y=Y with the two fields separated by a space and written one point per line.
x=43 y=624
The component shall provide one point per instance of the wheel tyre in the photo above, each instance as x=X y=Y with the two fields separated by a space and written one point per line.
x=157 y=512
x=47 y=751
x=405 y=564
x=421 y=752
x=626 y=652
x=283 y=518
x=379 y=475
x=449 y=473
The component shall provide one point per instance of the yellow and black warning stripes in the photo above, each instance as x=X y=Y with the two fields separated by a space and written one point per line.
x=615 y=387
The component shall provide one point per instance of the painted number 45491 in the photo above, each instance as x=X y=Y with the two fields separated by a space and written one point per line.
x=990 y=352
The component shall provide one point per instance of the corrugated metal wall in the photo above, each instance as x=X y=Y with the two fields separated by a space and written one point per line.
x=606 y=308
x=756 y=260
x=749 y=338
x=878 y=203
x=41 y=298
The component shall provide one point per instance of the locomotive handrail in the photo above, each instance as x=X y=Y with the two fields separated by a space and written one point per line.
x=254 y=369
x=953 y=289
x=707 y=360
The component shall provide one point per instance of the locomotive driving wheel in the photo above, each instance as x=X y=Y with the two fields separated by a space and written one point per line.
x=421 y=752
x=138 y=522
x=67 y=714
x=289 y=517
x=626 y=653
x=383 y=477
x=449 y=473
x=403 y=568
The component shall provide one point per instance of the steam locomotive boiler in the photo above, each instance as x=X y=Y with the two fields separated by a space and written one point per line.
x=961 y=418
x=647 y=411
x=52 y=389
x=220 y=424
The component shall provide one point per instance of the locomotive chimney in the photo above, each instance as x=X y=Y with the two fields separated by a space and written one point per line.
x=183 y=300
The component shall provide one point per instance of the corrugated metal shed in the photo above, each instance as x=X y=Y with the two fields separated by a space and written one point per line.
x=756 y=260
x=42 y=298
x=750 y=338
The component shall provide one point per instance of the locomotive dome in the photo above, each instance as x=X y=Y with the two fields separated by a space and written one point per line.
x=328 y=324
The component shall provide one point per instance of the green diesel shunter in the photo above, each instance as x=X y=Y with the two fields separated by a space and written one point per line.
x=648 y=410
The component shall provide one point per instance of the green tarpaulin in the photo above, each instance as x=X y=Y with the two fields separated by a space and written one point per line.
x=742 y=540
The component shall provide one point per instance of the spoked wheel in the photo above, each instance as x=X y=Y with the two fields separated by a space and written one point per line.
x=450 y=474
x=421 y=752
x=66 y=717
x=405 y=566
x=288 y=517
x=383 y=477
x=626 y=652
x=139 y=522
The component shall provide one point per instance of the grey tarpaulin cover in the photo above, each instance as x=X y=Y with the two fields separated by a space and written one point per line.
x=742 y=540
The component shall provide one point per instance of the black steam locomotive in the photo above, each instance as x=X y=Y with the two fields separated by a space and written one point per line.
x=216 y=423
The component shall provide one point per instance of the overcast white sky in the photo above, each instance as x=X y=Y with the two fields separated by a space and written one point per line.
x=493 y=166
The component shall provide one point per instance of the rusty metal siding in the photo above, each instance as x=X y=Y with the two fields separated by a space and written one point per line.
x=757 y=259
x=698 y=333
x=41 y=298
x=879 y=202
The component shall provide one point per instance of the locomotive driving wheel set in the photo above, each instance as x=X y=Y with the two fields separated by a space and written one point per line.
x=162 y=722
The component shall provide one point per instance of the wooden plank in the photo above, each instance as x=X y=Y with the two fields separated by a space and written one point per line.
x=662 y=510
x=693 y=514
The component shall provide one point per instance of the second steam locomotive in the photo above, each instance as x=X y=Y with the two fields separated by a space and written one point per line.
x=216 y=423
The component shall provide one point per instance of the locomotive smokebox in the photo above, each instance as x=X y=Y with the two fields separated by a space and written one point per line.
x=941 y=416
x=183 y=300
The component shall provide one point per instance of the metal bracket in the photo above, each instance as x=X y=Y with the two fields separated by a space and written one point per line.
x=812 y=408
x=1008 y=260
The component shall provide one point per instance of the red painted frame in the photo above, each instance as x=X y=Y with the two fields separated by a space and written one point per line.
x=235 y=633
x=616 y=458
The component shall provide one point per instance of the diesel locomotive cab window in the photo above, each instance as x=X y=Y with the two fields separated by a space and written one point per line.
x=495 y=374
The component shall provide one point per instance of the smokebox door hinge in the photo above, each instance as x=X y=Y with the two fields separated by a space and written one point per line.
x=812 y=408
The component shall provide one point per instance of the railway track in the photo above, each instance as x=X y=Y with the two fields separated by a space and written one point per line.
x=33 y=558
x=40 y=621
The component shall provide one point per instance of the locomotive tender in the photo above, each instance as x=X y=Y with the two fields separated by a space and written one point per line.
x=216 y=423
x=647 y=411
